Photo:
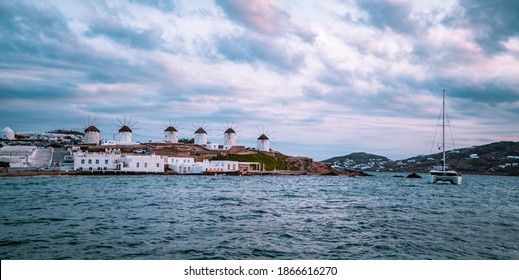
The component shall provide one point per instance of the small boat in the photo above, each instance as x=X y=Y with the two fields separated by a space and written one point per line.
x=443 y=173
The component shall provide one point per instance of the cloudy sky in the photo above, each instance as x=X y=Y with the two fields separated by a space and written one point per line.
x=325 y=78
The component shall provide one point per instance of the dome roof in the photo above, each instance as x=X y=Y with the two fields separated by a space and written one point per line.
x=230 y=130
x=125 y=128
x=170 y=129
x=92 y=129
x=200 y=130
x=7 y=129
x=263 y=137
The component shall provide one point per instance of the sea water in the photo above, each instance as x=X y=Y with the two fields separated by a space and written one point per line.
x=257 y=217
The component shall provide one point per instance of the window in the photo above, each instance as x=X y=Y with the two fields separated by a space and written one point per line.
x=137 y=165
x=89 y=161
x=90 y=168
x=158 y=164
x=106 y=161
x=99 y=168
x=104 y=168
x=82 y=161
x=97 y=161
x=145 y=165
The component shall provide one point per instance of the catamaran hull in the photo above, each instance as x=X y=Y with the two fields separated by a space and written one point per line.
x=455 y=180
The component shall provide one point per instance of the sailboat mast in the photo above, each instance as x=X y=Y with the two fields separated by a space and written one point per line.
x=443 y=129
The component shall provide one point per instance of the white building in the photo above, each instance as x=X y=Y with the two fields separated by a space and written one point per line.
x=92 y=135
x=200 y=136
x=112 y=160
x=181 y=165
x=18 y=156
x=187 y=165
x=226 y=165
x=214 y=146
x=7 y=134
x=263 y=143
x=138 y=163
x=97 y=161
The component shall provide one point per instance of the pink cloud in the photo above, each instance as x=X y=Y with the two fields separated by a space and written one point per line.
x=259 y=15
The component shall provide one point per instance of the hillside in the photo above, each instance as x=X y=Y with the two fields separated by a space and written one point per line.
x=289 y=165
x=500 y=158
x=358 y=161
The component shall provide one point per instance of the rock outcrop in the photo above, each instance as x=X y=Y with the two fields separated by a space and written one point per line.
x=305 y=165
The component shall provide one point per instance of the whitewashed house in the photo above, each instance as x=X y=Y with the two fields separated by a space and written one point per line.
x=226 y=165
x=107 y=161
x=181 y=165
x=215 y=146
x=138 y=163
x=112 y=160
x=18 y=156
x=187 y=165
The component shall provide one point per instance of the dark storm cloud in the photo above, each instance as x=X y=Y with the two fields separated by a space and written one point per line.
x=393 y=15
x=493 y=22
x=253 y=49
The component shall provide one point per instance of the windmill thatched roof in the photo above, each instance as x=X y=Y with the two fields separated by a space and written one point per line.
x=263 y=137
x=230 y=130
x=200 y=130
x=92 y=129
x=125 y=128
x=170 y=129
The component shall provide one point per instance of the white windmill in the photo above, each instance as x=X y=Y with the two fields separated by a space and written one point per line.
x=263 y=141
x=125 y=131
x=201 y=135
x=229 y=136
x=92 y=134
x=171 y=133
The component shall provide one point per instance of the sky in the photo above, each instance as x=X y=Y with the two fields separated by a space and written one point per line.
x=322 y=78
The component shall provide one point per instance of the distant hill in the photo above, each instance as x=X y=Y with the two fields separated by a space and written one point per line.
x=500 y=158
x=358 y=161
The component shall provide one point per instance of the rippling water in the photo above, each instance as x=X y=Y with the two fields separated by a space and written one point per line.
x=259 y=217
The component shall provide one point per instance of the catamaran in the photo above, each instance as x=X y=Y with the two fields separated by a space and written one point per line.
x=443 y=173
